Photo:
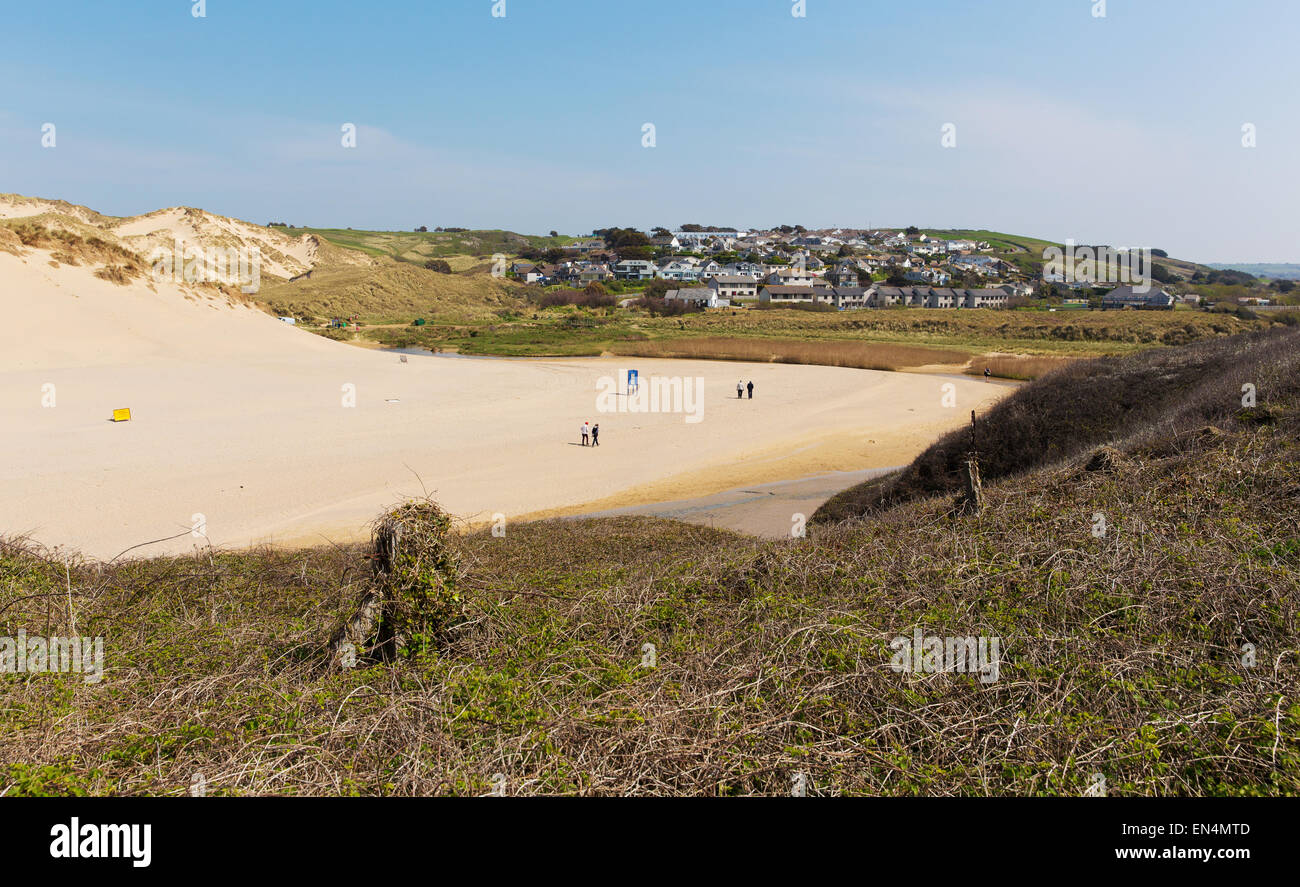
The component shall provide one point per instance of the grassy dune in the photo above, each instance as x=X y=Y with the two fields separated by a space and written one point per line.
x=1089 y=403
x=392 y=292
x=417 y=246
x=1121 y=654
x=75 y=244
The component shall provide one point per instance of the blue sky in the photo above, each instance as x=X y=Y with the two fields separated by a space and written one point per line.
x=1124 y=130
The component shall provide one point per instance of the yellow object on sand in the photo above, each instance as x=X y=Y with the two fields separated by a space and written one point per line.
x=122 y=415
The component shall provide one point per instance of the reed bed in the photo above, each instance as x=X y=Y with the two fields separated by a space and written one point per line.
x=1017 y=367
x=858 y=355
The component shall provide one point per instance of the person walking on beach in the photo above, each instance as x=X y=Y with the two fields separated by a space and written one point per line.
x=750 y=386
x=987 y=374
x=595 y=435
x=740 y=389
x=585 y=431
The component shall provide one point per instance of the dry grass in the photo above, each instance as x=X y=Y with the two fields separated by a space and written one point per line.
x=10 y=242
x=1087 y=403
x=392 y=291
x=861 y=355
x=119 y=274
x=69 y=247
x=1017 y=367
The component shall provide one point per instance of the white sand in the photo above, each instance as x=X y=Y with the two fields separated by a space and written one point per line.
x=282 y=255
x=239 y=417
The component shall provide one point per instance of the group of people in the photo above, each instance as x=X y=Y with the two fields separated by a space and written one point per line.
x=591 y=433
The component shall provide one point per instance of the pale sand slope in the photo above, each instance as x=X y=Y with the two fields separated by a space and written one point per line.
x=283 y=254
x=239 y=417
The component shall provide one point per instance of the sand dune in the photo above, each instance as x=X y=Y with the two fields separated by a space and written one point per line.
x=16 y=206
x=241 y=419
x=283 y=255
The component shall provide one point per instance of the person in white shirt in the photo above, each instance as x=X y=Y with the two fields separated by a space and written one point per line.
x=585 y=430
x=740 y=390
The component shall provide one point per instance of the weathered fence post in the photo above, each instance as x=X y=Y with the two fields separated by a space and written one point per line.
x=972 y=497
x=412 y=597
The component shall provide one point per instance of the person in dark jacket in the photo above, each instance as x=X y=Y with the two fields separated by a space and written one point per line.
x=750 y=386
x=595 y=435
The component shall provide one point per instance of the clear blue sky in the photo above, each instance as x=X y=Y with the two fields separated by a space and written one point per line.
x=1124 y=130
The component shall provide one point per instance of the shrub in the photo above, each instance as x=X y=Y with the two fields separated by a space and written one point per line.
x=666 y=307
x=418 y=569
x=588 y=298
x=1090 y=402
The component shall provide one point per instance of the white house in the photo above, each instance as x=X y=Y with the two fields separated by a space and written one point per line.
x=734 y=286
x=929 y=275
x=635 y=269
x=790 y=275
x=680 y=268
x=707 y=269
x=700 y=295
x=792 y=295
x=697 y=238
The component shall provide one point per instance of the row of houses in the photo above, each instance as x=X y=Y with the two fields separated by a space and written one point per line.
x=727 y=241
x=720 y=294
x=774 y=258
x=1141 y=299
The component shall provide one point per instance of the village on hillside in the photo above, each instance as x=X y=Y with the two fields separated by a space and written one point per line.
x=830 y=269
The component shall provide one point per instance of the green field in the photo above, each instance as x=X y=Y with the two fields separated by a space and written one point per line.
x=1007 y=243
x=1025 y=253
x=568 y=331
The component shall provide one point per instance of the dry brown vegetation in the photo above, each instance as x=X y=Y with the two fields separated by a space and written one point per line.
x=861 y=355
x=119 y=274
x=1016 y=366
x=392 y=291
x=69 y=247
x=1091 y=402
x=10 y=242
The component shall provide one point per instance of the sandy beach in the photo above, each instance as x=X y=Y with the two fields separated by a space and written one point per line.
x=256 y=431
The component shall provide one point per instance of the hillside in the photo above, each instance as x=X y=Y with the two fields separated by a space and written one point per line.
x=1275 y=271
x=419 y=246
x=1023 y=253
x=1026 y=253
x=636 y=657
x=1086 y=404
x=394 y=292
